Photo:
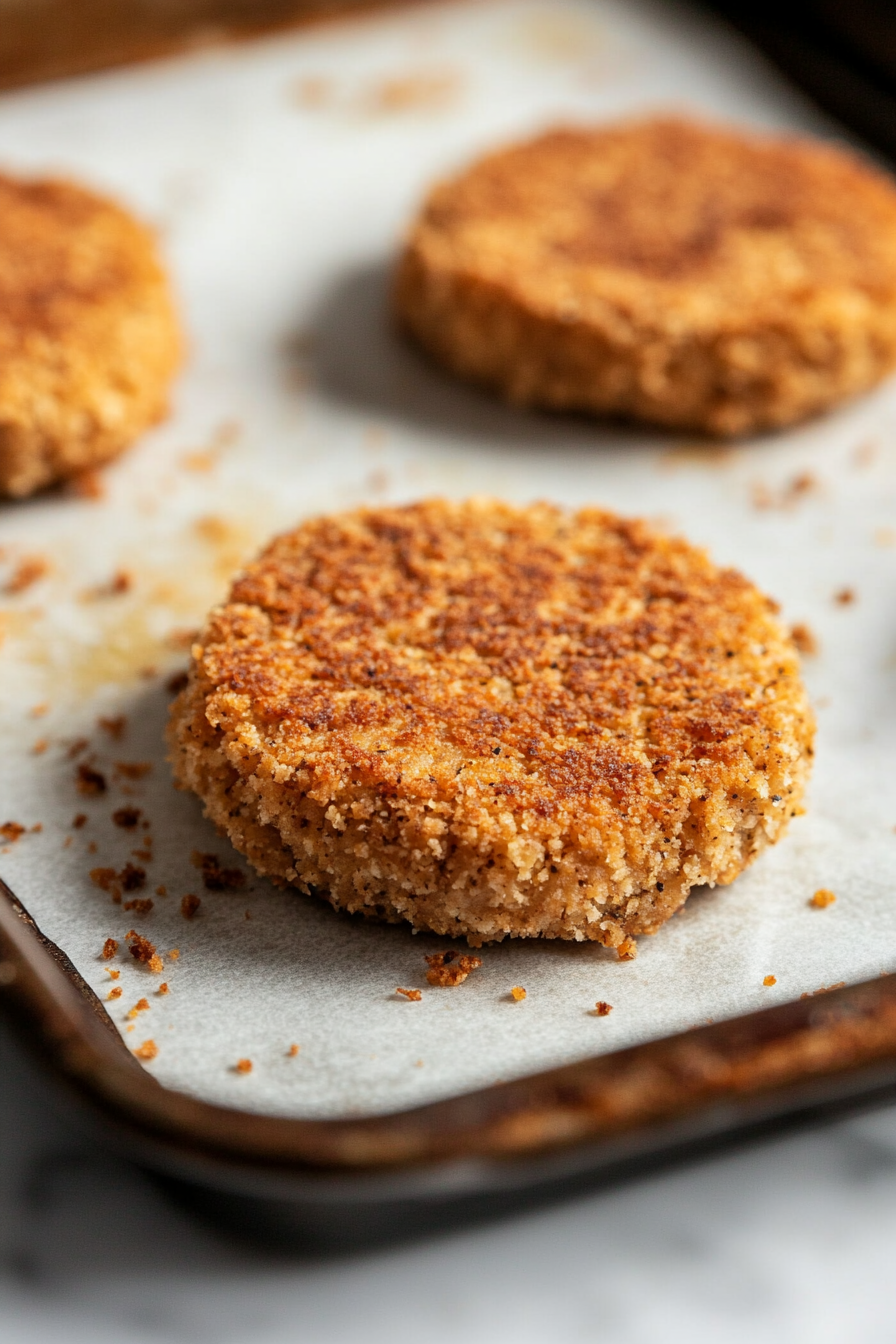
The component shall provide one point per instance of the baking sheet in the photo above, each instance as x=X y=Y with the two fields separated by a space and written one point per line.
x=281 y=175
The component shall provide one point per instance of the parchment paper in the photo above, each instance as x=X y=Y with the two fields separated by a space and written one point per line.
x=281 y=175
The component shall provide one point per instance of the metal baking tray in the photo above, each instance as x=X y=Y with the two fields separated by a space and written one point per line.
x=281 y=175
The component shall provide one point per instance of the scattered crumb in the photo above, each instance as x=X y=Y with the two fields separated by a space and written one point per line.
x=189 y=905
x=120 y=582
x=89 y=782
x=825 y=989
x=114 y=993
x=76 y=747
x=161 y=891
x=110 y=947
x=822 y=898
x=163 y=987
x=148 y=1050
x=142 y=905
x=115 y=727
x=517 y=993
x=155 y=964
x=602 y=1009
x=131 y=877
x=174 y=954
x=40 y=746
x=107 y=880
x=38 y=711
x=67 y=842
x=27 y=572
x=845 y=597
x=176 y=684
x=140 y=948
x=91 y=848
x=627 y=950
x=447 y=969
x=214 y=877
x=293 y=1051
x=804 y=639
x=413 y=994
x=133 y=769
x=145 y=855
x=127 y=817
x=79 y=821
x=111 y=971
x=11 y=831
x=770 y=980
x=243 y=1066
x=139 y=1007
x=765 y=498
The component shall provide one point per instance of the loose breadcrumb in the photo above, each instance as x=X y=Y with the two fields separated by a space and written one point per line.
x=11 y=831
x=148 y=1050
x=413 y=994
x=163 y=987
x=112 y=973
x=142 y=906
x=140 y=1006
x=825 y=989
x=845 y=597
x=40 y=746
x=174 y=954
x=627 y=950
x=189 y=905
x=127 y=817
x=115 y=992
x=602 y=1009
x=517 y=993
x=243 y=1066
x=26 y=573
x=140 y=948
x=161 y=891
x=79 y=821
x=114 y=726
x=133 y=769
x=38 y=711
x=155 y=964
x=822 y=898
x=447 y=969
x=804 y=639
x=293 y=1051
x=120 y=582
x=214 y=877
x=89 y=782
x=770 y=980
x=110 y=947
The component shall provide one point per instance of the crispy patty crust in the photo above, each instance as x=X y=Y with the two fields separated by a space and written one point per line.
x=696 y=277
x=492 y=721
x=89 y=340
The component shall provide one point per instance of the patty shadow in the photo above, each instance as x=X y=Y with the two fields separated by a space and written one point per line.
x=356 y=356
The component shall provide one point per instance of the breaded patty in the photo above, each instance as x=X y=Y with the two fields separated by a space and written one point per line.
x=89 y=340
x=674 y=272
x=493 y=721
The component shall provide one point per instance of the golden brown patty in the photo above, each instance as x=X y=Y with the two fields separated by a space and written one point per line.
x=88 y=336
x=490 y=720
x=665 y=270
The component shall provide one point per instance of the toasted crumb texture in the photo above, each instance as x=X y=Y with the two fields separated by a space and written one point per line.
x=602 y=1009
x=493 y=721
x=697 y=277
x=447 y=969
x=89 y=340
x=822 y=898
x=413 y=995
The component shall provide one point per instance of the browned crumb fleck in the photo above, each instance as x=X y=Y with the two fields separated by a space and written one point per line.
x=91 y=848
x=293 y=1051
x=822 y=898
x=142 y=905
x=87 y=485
x=144 y=854
x=120 y=582
x=67 y=842
x=127 y=817
x=189 y=905
x=112 y=973
x=40 y=746
x=140 y=948
x=148 y=1050
x=110 y=947
x=38 y=711
x=845 y=597
x=79 y=821
x=174 y=954
x=75 y=748
x=132 y=878
x=139 y=1007
x=627 y=950
x=447 y=969
x=133 y=769
x=115 y=992
x=804 y=639
x=161 y=891
x=106 y=879
x=517 y=993
x=413 y=994
x=770 y=980
x=602 y=1009
x=155 y=964
x=89 y=782
x=27 y=572
x=243 y=1066
x=11 y=831
x=214 y=877
x=163 y=987
x=177 y=683
x=825 y=989
x=115 y=727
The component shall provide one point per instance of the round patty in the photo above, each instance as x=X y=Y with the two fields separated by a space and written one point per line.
x=495 y=721
x=695 y=277
x=89 y=340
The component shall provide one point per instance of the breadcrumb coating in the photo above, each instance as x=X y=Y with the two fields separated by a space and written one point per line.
x=89 y=340
x=693 y=276
x=491 y=721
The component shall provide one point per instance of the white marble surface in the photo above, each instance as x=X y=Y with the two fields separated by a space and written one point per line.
x=790 y=1240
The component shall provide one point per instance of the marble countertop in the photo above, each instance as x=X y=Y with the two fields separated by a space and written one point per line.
x=786 y=1240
